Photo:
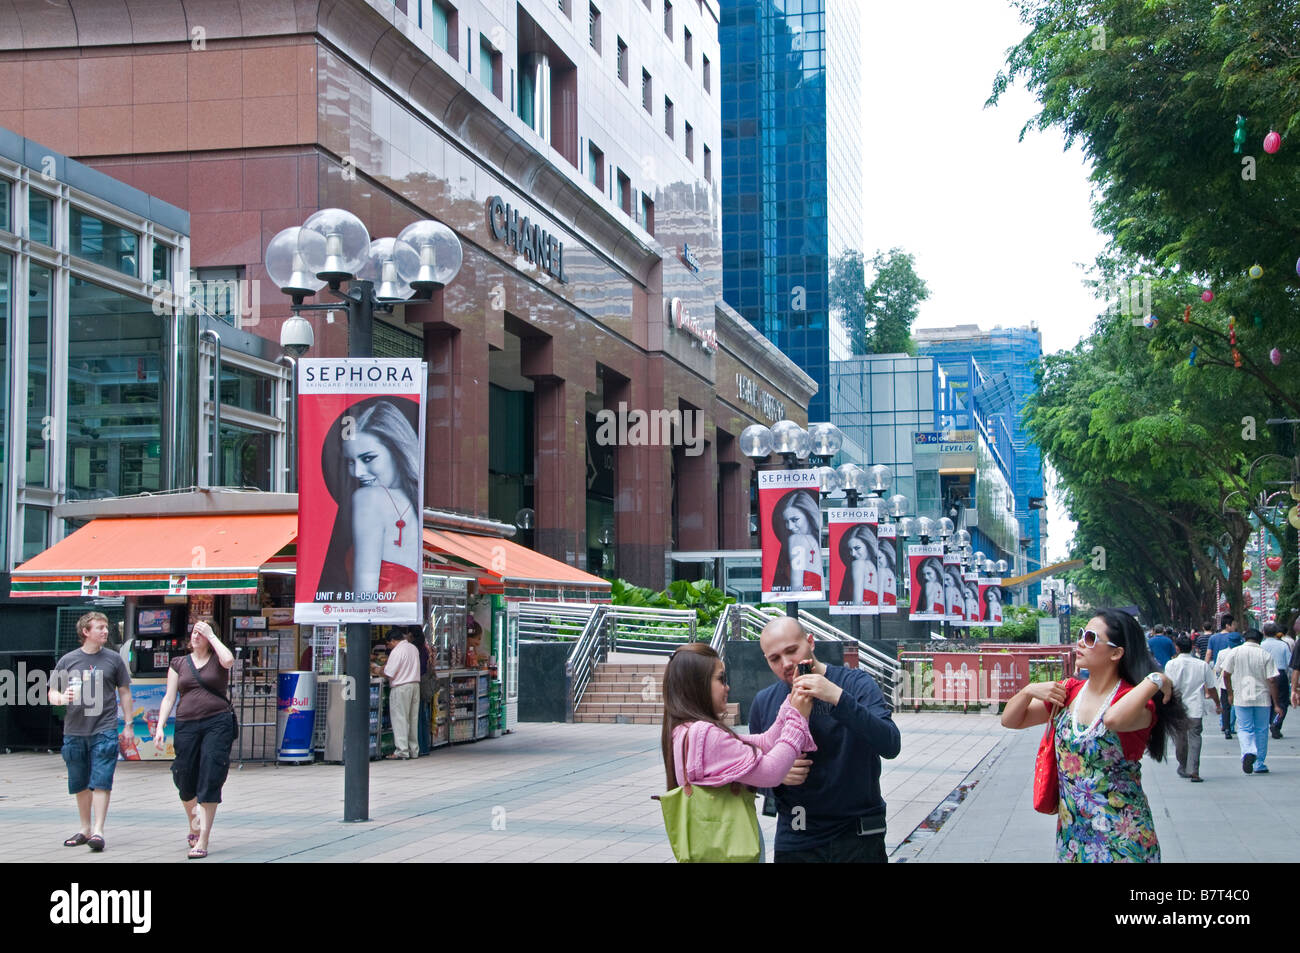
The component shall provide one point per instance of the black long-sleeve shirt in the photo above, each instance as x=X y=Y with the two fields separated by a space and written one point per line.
x=843 y=784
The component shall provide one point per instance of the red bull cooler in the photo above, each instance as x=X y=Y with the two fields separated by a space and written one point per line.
x=295 y=720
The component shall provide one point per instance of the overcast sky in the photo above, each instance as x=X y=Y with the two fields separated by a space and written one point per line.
x=999 y=227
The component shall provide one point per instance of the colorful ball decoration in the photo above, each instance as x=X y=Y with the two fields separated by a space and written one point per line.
x=1275 y=356
x=1272 y=142
x=1274 y=562
x=1256 y=272
x=1207 y=295
x=1297 y=266
x=1246 y=574
x=1150 y=321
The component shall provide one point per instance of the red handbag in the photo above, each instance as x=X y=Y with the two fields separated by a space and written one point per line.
x=1047 y=785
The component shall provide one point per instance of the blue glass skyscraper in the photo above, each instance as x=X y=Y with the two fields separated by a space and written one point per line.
x=791 y=179
x=1013 y=352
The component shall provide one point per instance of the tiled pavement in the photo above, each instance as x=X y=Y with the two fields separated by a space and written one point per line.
x=1232 y=817
x=557 y=793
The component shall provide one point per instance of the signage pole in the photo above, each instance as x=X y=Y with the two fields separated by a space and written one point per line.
x=356 y=725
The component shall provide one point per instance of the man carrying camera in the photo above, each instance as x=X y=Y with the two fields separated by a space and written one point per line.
x=829 y=807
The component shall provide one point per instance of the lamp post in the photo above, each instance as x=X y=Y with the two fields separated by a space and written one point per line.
x=330 y=249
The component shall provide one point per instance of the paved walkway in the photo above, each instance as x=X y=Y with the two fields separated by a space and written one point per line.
x=547 y=792
x=997 y=821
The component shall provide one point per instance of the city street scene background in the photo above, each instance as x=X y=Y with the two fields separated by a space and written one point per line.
x=507 y=349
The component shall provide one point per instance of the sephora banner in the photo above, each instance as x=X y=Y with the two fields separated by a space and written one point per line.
x=790 y=524
x=991 y=597
x=925 y=569
x=361 y=490
x=855 y=560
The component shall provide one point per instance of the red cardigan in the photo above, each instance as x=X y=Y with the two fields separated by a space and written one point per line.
x=1133 y=742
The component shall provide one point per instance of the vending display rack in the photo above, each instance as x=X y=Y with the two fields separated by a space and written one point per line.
x=381 y=730
x=469 y=706
x=441 y=727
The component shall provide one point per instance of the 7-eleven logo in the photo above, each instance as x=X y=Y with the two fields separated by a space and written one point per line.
x=179 y=585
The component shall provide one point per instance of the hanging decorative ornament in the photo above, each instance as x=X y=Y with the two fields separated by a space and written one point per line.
x=1272 y=142
x=1259 y=321
x=1207 y=295
x=1191 y=361
x=1236 y=358
x=1232 y=330
x=1297 y=266
x=1256 y=272
x=1246 y=574
x=1239 y=135
x=1187 y=314
x=1293 y=517
x=1150 y=321
x=1275 y=356
x=1274 y=563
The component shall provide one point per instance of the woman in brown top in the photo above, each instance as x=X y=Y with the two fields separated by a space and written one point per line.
x=205 y=730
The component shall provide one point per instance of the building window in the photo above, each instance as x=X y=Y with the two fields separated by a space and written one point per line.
x=647 y=93
x=4 y=206
x=596 y=166
x=647 y=213
x=40 y=283
x=103 y=242
x=668 y=117
x=593 y=27
x=622 y=61
x=564 y=8
x=668 y=19
x=220 y=293
x=708 y=164
x=489 y=70
x=705 y=64
x=444 y=26
x=690 y=143
x=690 y=57
x=162 y=262
x=40 y=218
x=624 y=192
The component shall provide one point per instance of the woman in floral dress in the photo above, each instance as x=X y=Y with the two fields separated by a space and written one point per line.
x=1101 y=728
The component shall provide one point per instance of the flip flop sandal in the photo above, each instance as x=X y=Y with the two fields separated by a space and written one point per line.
x=95 y=843
x=196 y=853
x=76 y=840
x=192 y=839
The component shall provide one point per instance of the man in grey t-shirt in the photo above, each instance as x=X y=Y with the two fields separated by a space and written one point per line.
x=87 y=680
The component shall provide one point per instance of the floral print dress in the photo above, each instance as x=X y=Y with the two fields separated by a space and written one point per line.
x=1104 y=816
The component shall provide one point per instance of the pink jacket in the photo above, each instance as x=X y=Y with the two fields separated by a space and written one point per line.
x=715 y=757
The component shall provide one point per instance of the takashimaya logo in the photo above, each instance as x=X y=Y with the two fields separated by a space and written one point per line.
x=102 y=907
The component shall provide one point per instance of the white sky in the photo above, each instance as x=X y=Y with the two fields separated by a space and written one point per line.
x=999 y=227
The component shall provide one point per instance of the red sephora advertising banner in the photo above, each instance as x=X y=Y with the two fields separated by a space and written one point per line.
x=361 y=490
x=887 y=534
x=971 y=595
x=991 y=596
x=925 y=568
x=855 y=560
x=953 y=590
x=790 y=523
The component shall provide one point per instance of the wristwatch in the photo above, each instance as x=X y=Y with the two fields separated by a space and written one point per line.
x=1158 y=680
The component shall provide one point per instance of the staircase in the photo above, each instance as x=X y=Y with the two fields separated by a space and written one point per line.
x=628 y=693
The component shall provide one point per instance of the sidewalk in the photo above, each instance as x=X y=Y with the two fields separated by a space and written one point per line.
x=1232 y=817
x=548 y=792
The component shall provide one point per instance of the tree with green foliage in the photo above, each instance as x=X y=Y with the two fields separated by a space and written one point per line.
x=848 y=290
x=878 y=316
x=1153 y=443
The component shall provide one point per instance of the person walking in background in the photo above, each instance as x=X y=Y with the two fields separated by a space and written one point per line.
x=1226 y=637
x=1251 y=679
x=197 y=684
x=95 y=681
x=1161 y=646
x=697 y=745
x=1193 y=682
x=1100 y=732
x=829 y=806
x=403 y=673
x=428 y=688
x=1281 y=655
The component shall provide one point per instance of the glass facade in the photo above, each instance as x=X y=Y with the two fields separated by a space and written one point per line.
x=1015 y=353
x=39 y=422
x=104 y=243
x=790 y=196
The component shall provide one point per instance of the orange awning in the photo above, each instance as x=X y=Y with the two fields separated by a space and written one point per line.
x=504 y=564
x=158 y=555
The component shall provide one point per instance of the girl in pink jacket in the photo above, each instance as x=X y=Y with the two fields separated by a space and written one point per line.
x=695 y=701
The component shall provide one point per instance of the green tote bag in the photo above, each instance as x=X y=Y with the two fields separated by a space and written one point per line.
x=711 y=825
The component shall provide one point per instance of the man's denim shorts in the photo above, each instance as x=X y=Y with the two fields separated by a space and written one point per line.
x=91 y=760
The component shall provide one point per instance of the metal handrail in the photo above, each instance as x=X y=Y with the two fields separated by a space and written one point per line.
x=581 y=663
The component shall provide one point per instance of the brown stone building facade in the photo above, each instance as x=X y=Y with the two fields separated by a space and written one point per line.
x=253 y=115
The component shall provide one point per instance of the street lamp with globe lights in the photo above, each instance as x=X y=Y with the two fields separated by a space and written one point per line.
x=332 y=248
